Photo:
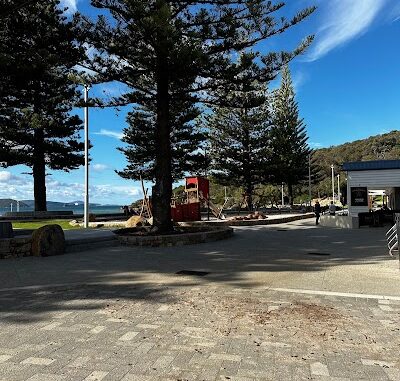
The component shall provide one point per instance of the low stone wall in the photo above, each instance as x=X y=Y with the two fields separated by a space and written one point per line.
x=268 y=221
x=177 y=239
x=15 y=247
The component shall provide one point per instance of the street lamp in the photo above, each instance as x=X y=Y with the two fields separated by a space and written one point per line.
x=333 y=183
x=86 y=125
x=309 y=178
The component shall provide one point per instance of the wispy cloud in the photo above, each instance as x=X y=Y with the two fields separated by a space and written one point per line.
x=99 y=167
x=395 y=14
x=342 y=21
x=21 y=188
x=315 y=145
x=299 y=78
x=70 y=4
x=110 y=134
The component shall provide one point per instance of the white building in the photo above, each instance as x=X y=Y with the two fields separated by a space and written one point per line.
x=364 y=180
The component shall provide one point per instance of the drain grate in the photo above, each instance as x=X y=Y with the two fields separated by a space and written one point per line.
x=191 y=272
x=315 y=253
x=281 y=230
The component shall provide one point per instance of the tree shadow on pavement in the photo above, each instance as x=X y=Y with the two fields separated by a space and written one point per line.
x=253 y=257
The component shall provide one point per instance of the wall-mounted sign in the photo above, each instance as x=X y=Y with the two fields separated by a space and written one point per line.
x=359 y=196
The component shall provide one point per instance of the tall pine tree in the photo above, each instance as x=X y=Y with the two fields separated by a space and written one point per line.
x=239 y=134
x=37 y=128
x=288 y=138
x=175 y=51
x=186 y=139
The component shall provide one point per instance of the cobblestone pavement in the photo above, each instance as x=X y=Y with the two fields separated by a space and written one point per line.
x=194 y=331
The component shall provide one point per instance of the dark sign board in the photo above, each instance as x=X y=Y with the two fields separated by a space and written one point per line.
x=359 y=196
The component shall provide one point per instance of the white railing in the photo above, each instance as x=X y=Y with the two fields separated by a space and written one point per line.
x=392 y=236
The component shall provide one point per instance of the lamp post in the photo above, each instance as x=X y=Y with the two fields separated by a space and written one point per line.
x=86 y=132
x=333 y=183
x=309 y=179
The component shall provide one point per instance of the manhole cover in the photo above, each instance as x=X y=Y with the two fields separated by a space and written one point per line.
x=191 y=272
x=315 y=253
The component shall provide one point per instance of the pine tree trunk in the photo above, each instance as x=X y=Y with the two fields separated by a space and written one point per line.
x=39 y=172
x=162 y=191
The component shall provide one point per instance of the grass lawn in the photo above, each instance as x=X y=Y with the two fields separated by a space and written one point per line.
x=37 y=224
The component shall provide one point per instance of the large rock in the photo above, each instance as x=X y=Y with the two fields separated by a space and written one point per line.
x=135 y=221
x=47 y=241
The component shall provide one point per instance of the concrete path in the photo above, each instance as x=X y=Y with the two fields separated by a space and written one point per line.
x=280 y=256
x=267 y=310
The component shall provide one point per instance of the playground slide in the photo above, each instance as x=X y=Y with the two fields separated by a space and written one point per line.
x=217 y=212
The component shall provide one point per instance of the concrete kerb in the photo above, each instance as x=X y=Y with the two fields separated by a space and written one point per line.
x=267 y=221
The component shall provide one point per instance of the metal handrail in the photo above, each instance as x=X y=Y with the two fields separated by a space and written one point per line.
x=392 y=236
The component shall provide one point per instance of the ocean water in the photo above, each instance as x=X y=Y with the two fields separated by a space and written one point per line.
x=77 y=209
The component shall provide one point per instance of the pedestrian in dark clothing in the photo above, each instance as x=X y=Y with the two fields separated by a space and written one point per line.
x=317 y=211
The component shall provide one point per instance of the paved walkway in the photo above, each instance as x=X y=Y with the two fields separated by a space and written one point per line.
x=267 y=310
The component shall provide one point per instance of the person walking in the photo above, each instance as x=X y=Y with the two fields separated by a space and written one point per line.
x=317 y=211
x=332 y=209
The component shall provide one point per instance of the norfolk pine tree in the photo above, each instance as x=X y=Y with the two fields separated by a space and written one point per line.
x=155 y=46
x=186 y=139
x=288 y=138
x=36 y=95
x=239 y=134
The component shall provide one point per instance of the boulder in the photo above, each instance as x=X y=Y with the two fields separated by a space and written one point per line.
x=135 y=221
x=47 y=241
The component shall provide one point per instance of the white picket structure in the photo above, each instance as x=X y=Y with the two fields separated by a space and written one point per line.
x=392 y=236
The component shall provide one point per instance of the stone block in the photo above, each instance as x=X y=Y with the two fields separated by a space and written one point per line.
x=48 y=240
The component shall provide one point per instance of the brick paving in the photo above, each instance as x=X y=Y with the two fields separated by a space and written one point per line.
x=267 y=310
x=198 y=332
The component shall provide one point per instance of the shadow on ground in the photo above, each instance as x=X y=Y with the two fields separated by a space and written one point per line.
x=293 y=255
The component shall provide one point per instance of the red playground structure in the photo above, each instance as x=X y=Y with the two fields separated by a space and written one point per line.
x=197 y=195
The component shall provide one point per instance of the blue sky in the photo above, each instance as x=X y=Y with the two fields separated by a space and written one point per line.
x=348 y=88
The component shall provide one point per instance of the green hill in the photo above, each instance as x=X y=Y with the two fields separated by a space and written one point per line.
x=6 y=203
x=379 y=147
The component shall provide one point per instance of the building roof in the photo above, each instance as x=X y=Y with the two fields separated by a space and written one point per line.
x=371 y=165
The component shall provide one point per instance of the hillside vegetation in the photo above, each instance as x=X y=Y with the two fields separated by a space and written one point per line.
x=379 y=147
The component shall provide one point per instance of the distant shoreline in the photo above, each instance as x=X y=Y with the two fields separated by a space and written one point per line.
x=76 y=209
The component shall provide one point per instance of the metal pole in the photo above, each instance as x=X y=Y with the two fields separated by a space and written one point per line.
x=309 y=179
x=338 y=186
x=333 y=183
x=86 y=201
x=17 y=206
x=283 y=201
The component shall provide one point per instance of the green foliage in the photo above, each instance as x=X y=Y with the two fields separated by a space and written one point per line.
x=385 y=146
x=239 y=134
x=186 y=140
x=174 y=55
x=288 y=138
x=37 y=56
